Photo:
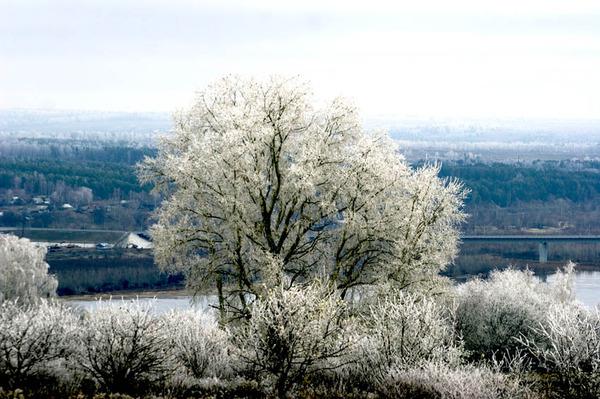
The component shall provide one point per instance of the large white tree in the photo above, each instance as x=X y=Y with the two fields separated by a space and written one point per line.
x=23 y=272
x=254 y=176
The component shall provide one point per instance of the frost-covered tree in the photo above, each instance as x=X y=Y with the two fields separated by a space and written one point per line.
x=404 y=330
x=293 y=334
x=199 y=344
x=568 y=349
x=493 y=315
x=23 y=272
x=30 y=338
x=254 y=172
x=123 y=346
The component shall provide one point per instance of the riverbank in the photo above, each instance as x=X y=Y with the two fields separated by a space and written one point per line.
x=83 y=271
x=167 y=293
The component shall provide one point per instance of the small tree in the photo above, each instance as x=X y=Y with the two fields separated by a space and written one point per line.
x=493 y=315
x=292 y=334
x=123 y=346
x=31 y=337
x=199 y=343
x=253 y=172
x=402 y=331
x=23 y=271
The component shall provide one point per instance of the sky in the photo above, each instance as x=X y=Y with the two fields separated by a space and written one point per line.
x=393 y=59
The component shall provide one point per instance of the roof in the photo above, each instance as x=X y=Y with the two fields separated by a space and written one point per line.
x=134 y=240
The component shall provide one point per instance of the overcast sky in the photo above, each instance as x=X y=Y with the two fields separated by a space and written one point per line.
x=510 y=58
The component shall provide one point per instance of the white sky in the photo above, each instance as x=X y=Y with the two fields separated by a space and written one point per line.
x=420 y=58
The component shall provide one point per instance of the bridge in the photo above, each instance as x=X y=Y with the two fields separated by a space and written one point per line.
x=542 y=240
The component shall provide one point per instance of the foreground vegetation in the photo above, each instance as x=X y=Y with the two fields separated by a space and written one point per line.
x=509 y=336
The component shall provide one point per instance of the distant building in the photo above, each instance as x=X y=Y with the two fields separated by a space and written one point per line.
x=41 y=200
x=16 y=200
x=40 y=208
x=138 y=240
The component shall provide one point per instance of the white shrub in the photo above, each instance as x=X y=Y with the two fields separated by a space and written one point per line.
x=293 y=333
x=569 y=348
x=404 y=330
x=573 y=337
x=23 y=271
x=493 y=314
x=123 y=345
x=438 y=380
x=31 y=337
x=199 y=343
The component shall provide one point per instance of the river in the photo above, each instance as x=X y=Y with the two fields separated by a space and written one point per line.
x=587 y=291
x=587 y=287
x=162 y=301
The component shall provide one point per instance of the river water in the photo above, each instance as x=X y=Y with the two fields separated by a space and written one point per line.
x=587 y=287
x=587 y=291
x=162 y=302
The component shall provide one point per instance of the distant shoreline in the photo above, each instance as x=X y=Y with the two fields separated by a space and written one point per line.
x=130 y=294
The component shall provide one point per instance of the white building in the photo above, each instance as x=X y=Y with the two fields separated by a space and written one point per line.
x=135 y=240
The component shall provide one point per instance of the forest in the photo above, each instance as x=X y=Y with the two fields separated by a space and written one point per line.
x=505 y=185
x=96 y=180
x=104 y=169
x=503 y=197
x=110 y=167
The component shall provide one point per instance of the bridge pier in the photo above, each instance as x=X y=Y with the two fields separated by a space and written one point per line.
x=543 y=251
x=543 y=241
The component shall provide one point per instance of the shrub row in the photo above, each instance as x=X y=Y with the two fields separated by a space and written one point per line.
x=509 y=336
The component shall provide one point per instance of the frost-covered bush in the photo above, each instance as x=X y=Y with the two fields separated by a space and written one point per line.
x=493 y=314
x=31 y=338
x=23 y=271
x=199 y=344
x=438 y=380
x=123 y=346
x=291 y=334
x=569 y=350
x=404 y=330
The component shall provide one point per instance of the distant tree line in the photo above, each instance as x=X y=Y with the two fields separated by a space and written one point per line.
x=506 y=196
x=41 y=176
x=35 y=164
x=507 y=184
x=92 y=150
